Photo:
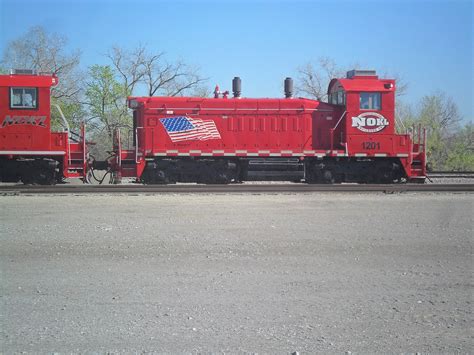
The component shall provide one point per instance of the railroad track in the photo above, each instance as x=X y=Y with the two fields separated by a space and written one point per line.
x=452 y=174
x=237 y=188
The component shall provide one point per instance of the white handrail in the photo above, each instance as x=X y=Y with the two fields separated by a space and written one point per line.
x=136 y=145
x=337 y=124
x=66 y=125
x=400 y=123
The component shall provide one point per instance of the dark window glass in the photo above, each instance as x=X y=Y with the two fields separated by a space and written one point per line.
x=337 y=97
x=370 y=101
x=23 y=98
x=340 y=98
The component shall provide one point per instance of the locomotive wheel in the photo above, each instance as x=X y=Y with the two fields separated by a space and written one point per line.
x=384 y=176
x=27 y=179
x=219 y=172
x=328 y=177
x=214 y=176
x=39 y=172
x=363 y=171
x=205 y=171
x=368 y=179
x=157 y=177
x=164 y=177
x=223 y=179
x=40 y=177
x=46 y=178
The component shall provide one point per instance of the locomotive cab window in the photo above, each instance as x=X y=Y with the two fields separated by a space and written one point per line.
x=25 y=98
x=341 y=98
x=337 y=98
x=370 y=101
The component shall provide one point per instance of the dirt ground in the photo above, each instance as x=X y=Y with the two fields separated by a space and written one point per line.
x=227 y=273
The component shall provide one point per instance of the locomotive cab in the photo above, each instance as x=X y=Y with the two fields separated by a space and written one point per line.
x=367 y=125
x=366 y=129
x=29 y=151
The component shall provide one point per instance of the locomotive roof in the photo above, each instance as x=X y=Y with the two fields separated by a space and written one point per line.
x=230 y=103
x=362 y=84
x=28 y=80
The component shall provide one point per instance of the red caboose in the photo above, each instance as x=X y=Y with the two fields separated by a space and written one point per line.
x=29 y=151
x=350 y=139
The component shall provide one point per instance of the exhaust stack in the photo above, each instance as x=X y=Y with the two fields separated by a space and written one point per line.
x=288 y=88
x=236 y=87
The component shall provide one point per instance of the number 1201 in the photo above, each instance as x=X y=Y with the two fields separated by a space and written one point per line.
x=370 y=145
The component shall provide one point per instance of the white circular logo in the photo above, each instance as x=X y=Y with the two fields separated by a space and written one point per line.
x=370 y=122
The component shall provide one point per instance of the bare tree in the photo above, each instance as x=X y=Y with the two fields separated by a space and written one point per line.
x=140 y=67
x=130 y=66
x=313 y=79
x=201 y=91
x=46 y=52
x=163 y=78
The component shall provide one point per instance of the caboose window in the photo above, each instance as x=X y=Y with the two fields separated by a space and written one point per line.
x=370 y=101
x=23 y=98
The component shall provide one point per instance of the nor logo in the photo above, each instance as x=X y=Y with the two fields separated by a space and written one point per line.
x=370 y=122
x=39 y=121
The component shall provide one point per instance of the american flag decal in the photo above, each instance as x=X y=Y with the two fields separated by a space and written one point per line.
x=184 y=128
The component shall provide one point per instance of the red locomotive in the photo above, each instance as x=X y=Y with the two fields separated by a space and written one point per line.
x=29 y=150
x=222 y=140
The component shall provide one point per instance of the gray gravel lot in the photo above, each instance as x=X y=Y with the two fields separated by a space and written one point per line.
x=228 y=273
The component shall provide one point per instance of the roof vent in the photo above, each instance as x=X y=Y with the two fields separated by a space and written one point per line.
x=22 y=71
x=360 y=72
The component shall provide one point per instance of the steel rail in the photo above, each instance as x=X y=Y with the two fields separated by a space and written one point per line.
x=451 y=174
x=232 y=189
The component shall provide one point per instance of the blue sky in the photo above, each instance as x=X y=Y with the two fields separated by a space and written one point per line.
x=428 y=43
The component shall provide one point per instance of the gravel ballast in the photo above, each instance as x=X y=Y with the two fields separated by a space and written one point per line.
x=226 y=273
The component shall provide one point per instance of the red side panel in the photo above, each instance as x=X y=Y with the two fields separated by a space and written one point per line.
x=243 y=126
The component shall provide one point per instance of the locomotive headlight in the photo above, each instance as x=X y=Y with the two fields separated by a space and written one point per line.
x=133 y=103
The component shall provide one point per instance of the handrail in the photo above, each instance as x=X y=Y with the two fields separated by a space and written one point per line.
x=340 y=119
x=400 y=123
x=119 y=145
x=84 y=152
x=333 y=129
x=136 y=145
x=66 y=125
